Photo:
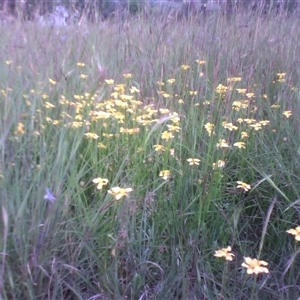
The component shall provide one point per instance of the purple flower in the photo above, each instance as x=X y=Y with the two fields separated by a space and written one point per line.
x=49 y=196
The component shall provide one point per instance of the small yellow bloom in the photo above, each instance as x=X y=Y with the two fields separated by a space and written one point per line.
x=287 y=113
x=49 y=105
x=134 y=90
x=222 y=144
x=128 y=75
x=80 y=64
x=109 y=81
x=225 y=252
x=242 y=185
x=166 y=135
x=241 y=91
x=91 y=135
x=221 y=89
x=275 y=106
x=209 y=128
x=281 y=77
x=164 y=111
x=229 y=126
x=171 y=80
x=119 y=193
x=193 y=161
x=250 y=95
x=8 y=62
x=20 y=129
x=256 y=126
x=100 y=182
x=165 y=174
x=159 y=148
x=264 y=122
x=173 y=128
x=101 y=146
x=185 y=67
x=234 y=79
x=244 y=135
x=219 y=164
x=129 y=130
x=52 y=81
x=165 y=95
x=200 y=62
x=295 y=232
x=240 y=145
x=255 y=266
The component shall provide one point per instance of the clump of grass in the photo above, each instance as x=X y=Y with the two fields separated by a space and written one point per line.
x=130 y=154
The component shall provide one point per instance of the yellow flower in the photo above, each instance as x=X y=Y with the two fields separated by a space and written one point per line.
x=255 y=266
x=244 y=135
x=264 y=122
x=83 y=76
x=165 y=174
x=219 y=164
x=52 y=81
x=234 y=79
x=193 y=161
x=20 y=129
x=166 y=135
x=281 y=77
x=164 y=111
x=256 y=126
x=91 y=135
x=275 y=106
x=185 y=67
x=159 y=148
x=101 y=146
x=209 y=128
x=222 y=144
x=193 y=93
x=225 y=252
x=100 y=182
x=221 y=89
x=242 y=185
x=8 y=62
x=240 y=145
x=128 y=75
x=109 y=81
x=229 y=126
x=134 y=90
x=287 y=113
x=173 y=128
x=241 y=91
x=250 y=95
x=129 y=130
x=200 y=62
x=295 y=232
x=49 y=105
x=119 y=193
x=171 y=80
x=80 y=64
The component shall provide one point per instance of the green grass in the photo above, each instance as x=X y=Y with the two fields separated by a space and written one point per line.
x=159 y=241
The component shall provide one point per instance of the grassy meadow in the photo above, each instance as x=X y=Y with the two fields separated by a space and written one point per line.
x=151 y=159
